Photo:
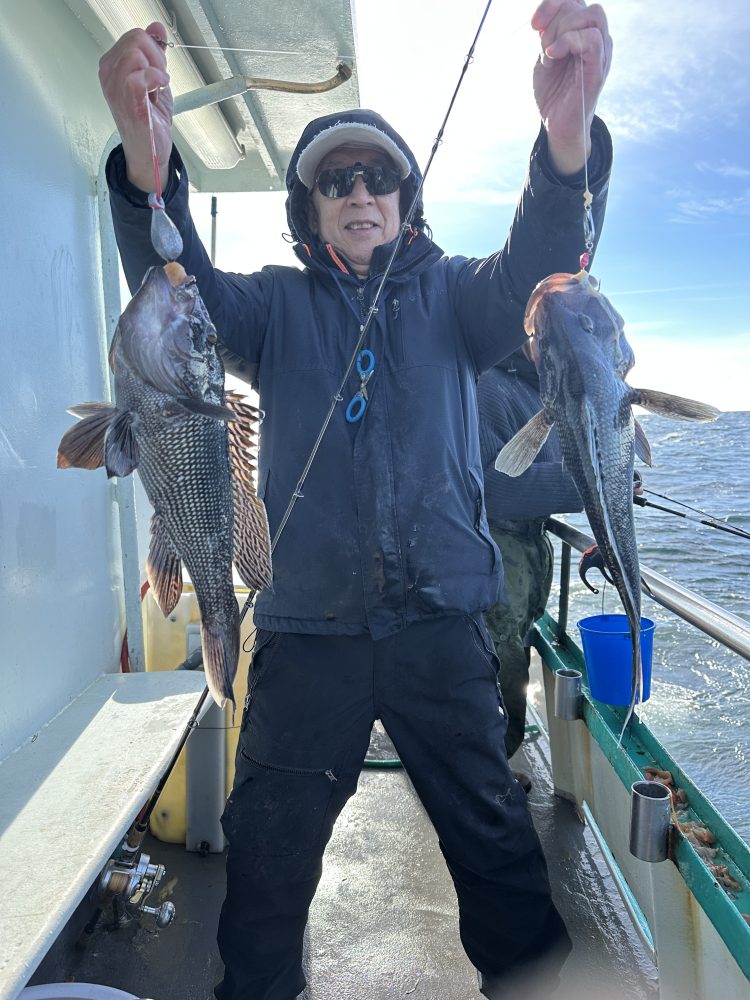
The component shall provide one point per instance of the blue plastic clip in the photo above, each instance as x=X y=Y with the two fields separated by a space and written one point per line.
x=358 y=402
x=356 y=408
x=364 y=372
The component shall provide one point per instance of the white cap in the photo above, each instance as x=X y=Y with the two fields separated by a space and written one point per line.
x=347 y=134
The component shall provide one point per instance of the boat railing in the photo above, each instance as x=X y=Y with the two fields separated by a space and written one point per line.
x=728 y=629
x=691 y=911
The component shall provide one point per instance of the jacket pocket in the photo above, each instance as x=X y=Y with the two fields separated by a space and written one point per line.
x=483 y=644
x=481 y=526
x=266 y=643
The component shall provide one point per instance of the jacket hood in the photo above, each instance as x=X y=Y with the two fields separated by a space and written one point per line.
x=296 y=203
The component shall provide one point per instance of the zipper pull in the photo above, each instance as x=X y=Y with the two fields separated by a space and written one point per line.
x=331 y=776
x=395 y=305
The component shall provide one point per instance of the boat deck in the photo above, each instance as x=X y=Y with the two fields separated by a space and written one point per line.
x=384 y=921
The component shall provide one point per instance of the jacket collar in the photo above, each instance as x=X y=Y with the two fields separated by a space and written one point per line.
x=417 y=252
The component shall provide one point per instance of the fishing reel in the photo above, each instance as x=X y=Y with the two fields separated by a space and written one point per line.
x=130 y=885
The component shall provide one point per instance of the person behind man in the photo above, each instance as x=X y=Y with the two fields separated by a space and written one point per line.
x=384 y=567
x=508 y=397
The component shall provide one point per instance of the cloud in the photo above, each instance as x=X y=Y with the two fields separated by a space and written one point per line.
x=696 y=209
x=676 y=65
x=723 y=169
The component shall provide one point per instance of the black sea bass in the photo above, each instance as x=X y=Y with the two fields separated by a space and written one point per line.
x=173 y=422
x=582 y=358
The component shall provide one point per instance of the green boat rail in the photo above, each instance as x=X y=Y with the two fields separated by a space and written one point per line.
x=692 y=918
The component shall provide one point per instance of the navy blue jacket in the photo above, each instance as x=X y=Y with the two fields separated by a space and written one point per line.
x=508 y=397
x=392 y=526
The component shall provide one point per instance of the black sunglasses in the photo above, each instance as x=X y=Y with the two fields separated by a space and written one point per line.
x=338 y=182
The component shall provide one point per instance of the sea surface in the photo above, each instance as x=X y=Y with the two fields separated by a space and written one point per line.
x=700 y=691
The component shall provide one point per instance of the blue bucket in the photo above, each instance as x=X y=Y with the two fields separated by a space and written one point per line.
x=608 y=653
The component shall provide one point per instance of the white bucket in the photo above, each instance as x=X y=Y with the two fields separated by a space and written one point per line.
x=73 y=991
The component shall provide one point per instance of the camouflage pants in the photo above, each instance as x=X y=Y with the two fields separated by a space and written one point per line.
x=527 y=564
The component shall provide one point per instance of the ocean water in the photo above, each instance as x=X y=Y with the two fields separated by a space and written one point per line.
x=700 y=691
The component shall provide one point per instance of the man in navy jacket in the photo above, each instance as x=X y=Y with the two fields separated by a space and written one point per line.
x=383 y=569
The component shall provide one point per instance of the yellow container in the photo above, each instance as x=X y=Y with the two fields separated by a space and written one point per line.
x=168 y=641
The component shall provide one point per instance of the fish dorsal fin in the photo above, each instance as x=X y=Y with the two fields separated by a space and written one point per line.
x=82 y=445
x=163 y=567
x=676 y=407
x=120 y=446
x=252 y=539
x=517 y=455
x=642 y=447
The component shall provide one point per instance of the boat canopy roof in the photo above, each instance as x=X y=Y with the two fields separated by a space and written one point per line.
x=241 y=141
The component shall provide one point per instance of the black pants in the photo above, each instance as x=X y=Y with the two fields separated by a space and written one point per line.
x=311 y=704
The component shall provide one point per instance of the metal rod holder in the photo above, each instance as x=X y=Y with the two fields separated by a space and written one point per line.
x=568 y=695
x=650 y=815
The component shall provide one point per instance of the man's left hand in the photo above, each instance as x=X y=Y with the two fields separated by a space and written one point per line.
x=575 y=40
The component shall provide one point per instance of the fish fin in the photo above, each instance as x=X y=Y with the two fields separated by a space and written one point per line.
x=204 y=409
x=517 y=455
x=642 y=447
x=220 y=641
x=82 y=445
x=252 y=539
x=676 y=407
x=163 y=567
x=121 y=453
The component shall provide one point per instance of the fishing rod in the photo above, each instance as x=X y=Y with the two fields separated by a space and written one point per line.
x=140 y=824
x=707 y=519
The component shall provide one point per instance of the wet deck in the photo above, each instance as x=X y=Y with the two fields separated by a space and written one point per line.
x=384 y=921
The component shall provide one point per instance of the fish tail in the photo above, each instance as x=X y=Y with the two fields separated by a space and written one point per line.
x=220 y=641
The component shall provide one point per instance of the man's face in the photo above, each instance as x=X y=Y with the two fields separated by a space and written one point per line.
x=360 y=221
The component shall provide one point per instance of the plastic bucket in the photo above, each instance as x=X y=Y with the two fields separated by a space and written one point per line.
x=608 y=652
x=73 y=991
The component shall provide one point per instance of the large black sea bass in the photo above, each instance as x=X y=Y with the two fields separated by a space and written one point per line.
x=188 y=440
x=582 y=358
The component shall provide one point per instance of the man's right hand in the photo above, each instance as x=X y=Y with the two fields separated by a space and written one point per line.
x=132 y=72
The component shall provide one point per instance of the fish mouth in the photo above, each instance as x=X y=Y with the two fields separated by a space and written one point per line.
x=560 y=282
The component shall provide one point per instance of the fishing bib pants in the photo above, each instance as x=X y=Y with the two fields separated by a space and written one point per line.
x=311 y=704
x=528 y=566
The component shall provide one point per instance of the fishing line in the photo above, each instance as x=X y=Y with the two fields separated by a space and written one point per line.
x=154 y=157
x=229 y=48
x=589 y=229
x=681 y=503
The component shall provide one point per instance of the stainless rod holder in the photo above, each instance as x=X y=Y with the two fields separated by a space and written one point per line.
x=568 y=694
x=650 y=815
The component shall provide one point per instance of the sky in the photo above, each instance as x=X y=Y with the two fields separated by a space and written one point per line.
x=674 y=253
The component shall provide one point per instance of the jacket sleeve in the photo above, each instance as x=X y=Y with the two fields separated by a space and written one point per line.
x=546 y=236
x=237 y=303
x=545 y=488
